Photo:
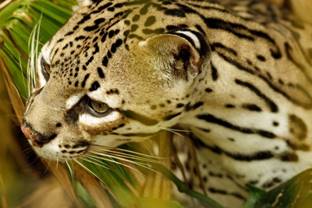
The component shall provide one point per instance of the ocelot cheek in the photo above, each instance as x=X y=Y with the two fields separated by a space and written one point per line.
x=101 y=125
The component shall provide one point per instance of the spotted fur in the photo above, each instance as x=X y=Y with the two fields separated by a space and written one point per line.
x=235 y=74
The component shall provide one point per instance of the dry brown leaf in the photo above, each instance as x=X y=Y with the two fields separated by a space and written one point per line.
x=15 y=98
x=61 y=175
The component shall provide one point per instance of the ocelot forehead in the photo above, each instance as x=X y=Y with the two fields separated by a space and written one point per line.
x=91 y=40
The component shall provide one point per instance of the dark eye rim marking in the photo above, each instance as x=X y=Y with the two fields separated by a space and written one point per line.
x=88 y=104
x=84 y=105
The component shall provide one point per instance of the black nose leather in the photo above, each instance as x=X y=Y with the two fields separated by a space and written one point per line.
x=36 y=138
x=41 y=139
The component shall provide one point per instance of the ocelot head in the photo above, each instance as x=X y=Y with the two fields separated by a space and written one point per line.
x=114 y=74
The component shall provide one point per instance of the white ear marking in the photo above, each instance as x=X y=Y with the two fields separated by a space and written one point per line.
x=192 y=36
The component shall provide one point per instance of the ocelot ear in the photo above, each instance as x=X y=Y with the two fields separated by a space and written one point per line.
x=179 y=54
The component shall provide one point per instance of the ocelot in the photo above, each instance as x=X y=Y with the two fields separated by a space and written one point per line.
x=235 y=75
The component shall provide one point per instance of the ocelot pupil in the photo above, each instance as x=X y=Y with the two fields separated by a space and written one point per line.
x=99 y=107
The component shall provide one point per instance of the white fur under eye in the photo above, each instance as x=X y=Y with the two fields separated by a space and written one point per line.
x=89 y=120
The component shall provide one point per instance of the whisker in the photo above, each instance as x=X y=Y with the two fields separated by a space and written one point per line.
x=71 y=172
x=180 y=130
x=98 y=159
x=89 y=160
x=120 y=150
x=88 y=170
x=104 y=157
x=129 y=156
x=142 y=154
x=173 y=132
x=112 y=156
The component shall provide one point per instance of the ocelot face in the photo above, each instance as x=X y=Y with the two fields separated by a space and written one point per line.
x=98 y=86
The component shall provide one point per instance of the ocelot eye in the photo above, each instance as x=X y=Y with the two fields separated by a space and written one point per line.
x=98 y=108
x=45 y=69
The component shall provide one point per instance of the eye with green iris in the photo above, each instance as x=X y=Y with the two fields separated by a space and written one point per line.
x=98 y=108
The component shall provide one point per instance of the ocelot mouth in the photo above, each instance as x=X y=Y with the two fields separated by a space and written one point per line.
x=58 y=151
x=74 y=151
x=73 y=154
x=36 y=139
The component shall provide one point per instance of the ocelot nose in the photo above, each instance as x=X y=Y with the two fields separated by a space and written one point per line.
x=37 y=139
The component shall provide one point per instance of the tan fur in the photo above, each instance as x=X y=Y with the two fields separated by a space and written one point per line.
x=302 y=9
